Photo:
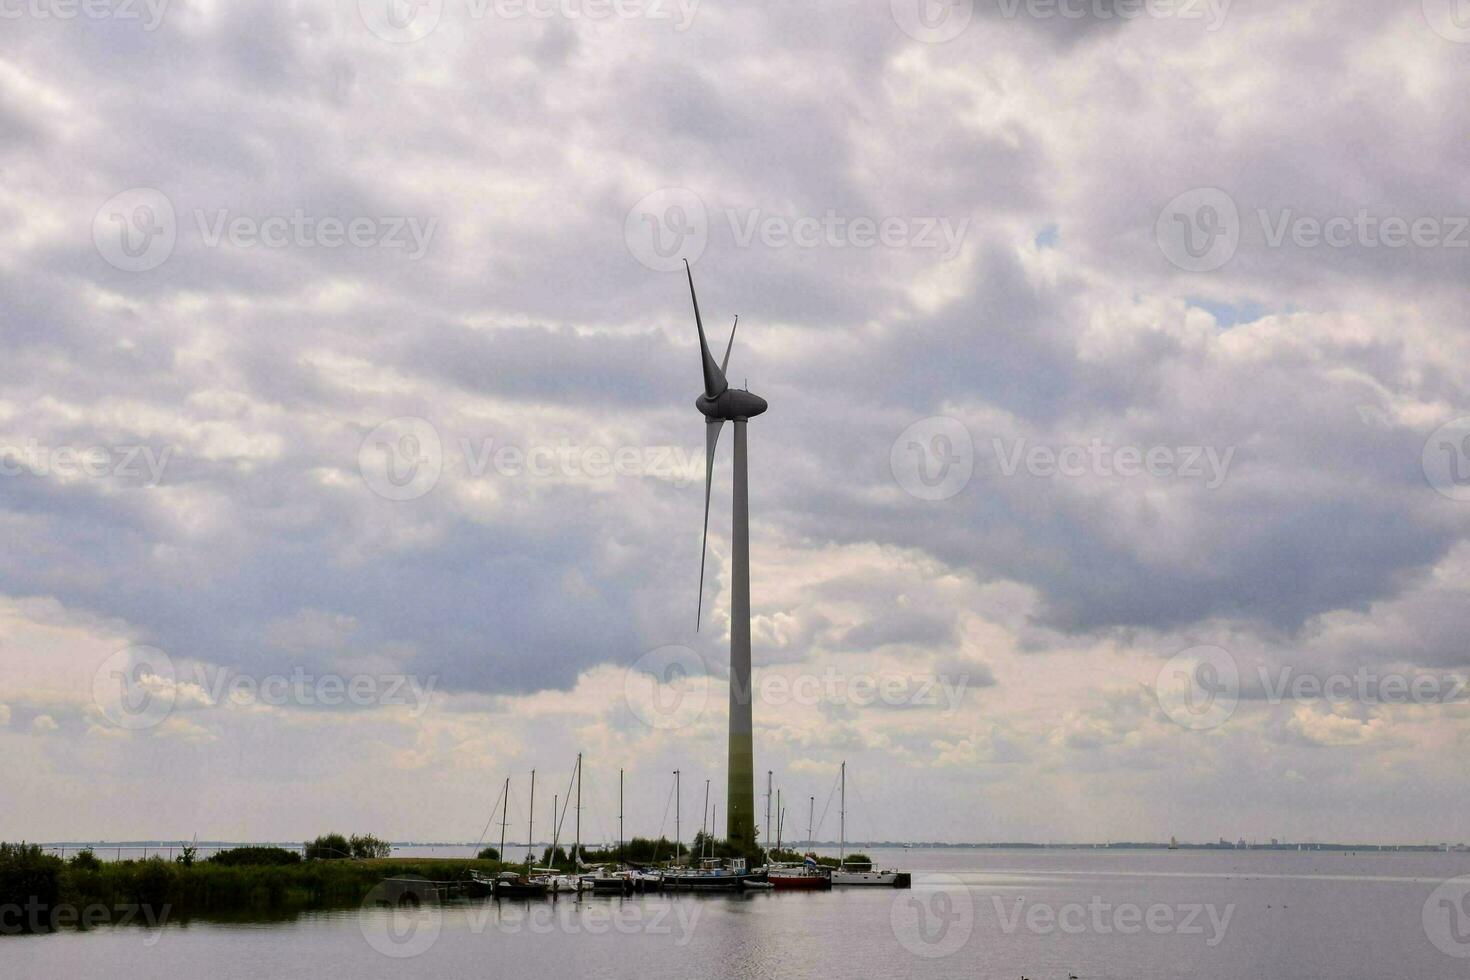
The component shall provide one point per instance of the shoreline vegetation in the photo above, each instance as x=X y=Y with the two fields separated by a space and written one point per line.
x=41 y=892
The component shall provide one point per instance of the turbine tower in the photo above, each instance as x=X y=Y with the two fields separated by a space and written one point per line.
x=720 y=404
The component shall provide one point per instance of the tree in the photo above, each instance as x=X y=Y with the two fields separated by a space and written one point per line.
x=366 y=846
x=328 y=847
x=489 y=854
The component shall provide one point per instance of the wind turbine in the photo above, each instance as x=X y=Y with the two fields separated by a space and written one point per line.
x=719 y=404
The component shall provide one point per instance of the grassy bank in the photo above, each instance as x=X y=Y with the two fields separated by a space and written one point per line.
x=40 y=892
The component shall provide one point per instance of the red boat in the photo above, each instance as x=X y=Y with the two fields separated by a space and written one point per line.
x=805 y=877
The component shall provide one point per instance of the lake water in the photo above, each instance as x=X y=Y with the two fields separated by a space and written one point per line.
x=1002 y=914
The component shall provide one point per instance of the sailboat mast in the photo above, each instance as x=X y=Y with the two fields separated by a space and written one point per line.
x=779 y=813
x=842 y=820
x=811 y=810
x=577 y=844
x=768 y=808
x=620 y=816
x=704 y=825
x=504 y=818
x=677 y=795
x=531 y=822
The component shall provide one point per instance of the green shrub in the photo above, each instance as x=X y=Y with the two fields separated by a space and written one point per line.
x=488 y=854
x=368 y=847
x=30 y=887
x=328 y=847
x=237 y=857
x=85 y=860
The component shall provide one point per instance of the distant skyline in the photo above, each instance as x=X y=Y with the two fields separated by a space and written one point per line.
x=1116 y=484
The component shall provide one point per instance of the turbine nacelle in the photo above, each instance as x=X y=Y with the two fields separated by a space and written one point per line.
x=729 y=405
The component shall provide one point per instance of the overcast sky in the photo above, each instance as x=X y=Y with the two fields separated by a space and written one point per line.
x=1117 y=364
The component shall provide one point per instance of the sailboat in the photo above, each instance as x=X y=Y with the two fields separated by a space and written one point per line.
x=556 y=882
x=859 y=874
x=511 y=884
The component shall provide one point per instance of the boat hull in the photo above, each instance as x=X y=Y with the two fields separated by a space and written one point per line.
x=878 y=879
x=800 y=883
x=706 y=883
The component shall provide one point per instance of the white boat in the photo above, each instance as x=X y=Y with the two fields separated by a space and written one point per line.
x=849 y=873
x=852 y=876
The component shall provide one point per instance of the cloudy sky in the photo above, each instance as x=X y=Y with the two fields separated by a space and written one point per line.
x=1116 y=481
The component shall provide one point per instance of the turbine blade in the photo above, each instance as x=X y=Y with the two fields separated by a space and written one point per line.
x=714 y=378
x=711 y=438
x=726 y=362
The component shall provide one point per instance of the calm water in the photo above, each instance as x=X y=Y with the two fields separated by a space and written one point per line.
x=975 y=914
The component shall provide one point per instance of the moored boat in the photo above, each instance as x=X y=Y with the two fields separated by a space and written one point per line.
x=711 y=876
x=862 y=872
x=808 y=876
